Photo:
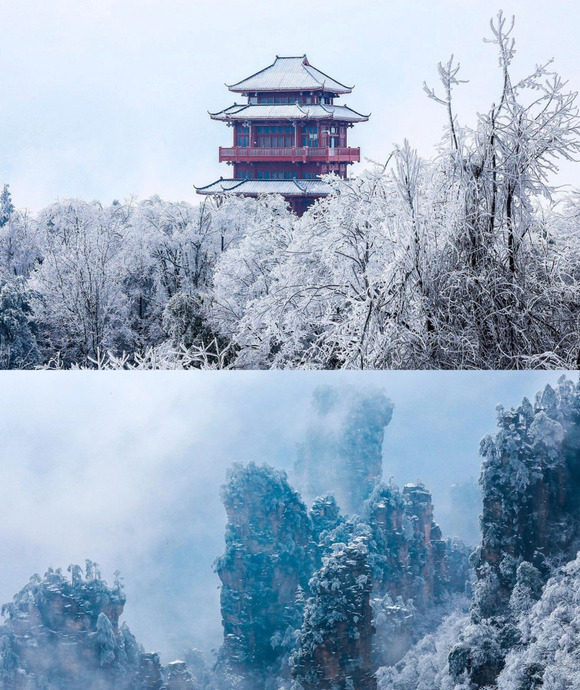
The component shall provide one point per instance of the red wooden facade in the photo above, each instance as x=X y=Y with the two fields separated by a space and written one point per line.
x=288 y=130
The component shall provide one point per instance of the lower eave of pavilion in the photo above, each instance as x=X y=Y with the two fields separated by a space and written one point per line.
x=251 y=187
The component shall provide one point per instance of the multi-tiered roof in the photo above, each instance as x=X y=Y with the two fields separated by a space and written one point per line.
x=287 y=133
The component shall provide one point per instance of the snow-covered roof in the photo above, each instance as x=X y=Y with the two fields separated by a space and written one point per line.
x=292 y=111
x=290 y=74
x=255 y=187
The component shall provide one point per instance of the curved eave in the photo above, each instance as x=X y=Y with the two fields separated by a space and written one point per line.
x=253 y=187
x=303 y=114
x=364 y=118
x=234 y=184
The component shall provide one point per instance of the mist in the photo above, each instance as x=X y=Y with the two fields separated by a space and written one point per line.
x=125 y=469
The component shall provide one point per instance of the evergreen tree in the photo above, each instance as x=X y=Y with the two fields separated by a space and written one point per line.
x=18 y=346
x=106 y=640
x=6 y=206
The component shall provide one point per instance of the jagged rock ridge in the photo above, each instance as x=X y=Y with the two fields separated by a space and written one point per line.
x=63 y=633
x=275 y=557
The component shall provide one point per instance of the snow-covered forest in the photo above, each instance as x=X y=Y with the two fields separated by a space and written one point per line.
x=467 y=260
x=315 y=597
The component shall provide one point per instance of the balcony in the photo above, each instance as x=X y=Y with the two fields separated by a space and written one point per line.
x=303 y=154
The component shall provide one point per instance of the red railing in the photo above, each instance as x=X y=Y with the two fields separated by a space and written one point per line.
x=303 y=154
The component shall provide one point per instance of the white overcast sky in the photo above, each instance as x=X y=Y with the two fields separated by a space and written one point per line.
x=104 y=99
x=124 y=468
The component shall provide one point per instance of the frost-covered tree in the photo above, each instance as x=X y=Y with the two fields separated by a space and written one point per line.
x=81 y=307
x=19 y=246
x=106 y=640
x=547 y=655
x=18 y=346
x=325 y=519
x=171 y=249
x=498 y=282
x=6 y=206
x=389 y=529
x=244 y=273
x=190 y=333
x=324 y=303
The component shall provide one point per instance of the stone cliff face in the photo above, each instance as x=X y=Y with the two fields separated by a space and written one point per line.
x=407 y=552
x=342 y=452
x=63 y=633
x=178 y=677
x=335 y=642
x=268 y=560
x=413 y=569
x=426 y=555
x=273 y=547
x=531 y=490
x=149 y=675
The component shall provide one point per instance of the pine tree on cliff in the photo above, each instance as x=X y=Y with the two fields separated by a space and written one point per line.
x=342 y=452
x=336 y=638
x=268 y=561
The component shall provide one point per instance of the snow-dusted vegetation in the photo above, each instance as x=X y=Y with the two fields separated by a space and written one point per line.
x=467 y=260
x=376 y=598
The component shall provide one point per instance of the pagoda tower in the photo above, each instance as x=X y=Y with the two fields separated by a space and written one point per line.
x=287 y=134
